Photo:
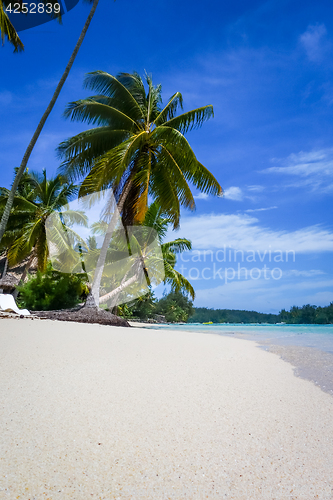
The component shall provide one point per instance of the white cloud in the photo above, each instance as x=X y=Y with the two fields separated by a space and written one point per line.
x=256 y=188
x=259 y=209
x=244 y=232
x=312 y=169
x=265 y=296
x=201 y=196
x=233 y=193
x=306 y=274
x=315 y=43
x=305 y=164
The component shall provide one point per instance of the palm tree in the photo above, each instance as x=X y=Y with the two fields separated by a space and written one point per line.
x=138 y=149
x=8 y=28
x=122 y=273
x=157 y=220
x=36 y=199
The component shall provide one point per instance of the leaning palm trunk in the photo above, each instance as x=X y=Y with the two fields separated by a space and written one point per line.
x=116 y=292
x=41 y=124
x=4 y=272
x=5 y=268
x=113 y=300
x=114 y=295
x=24 y=274
x=93 y=297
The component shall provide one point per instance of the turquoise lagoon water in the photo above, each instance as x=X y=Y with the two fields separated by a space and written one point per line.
x=315 y=336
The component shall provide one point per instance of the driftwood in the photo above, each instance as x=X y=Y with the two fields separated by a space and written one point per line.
x=83 y=315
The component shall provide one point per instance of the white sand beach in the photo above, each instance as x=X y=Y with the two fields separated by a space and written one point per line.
x=89 y=411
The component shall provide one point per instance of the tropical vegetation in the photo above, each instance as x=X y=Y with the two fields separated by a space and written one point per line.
x=28 y=238
x=138 y=149
x=174 y=307
x=35 y=200
x=307 y=314
x=51 y=290
x=136 y=258
x=8 y=30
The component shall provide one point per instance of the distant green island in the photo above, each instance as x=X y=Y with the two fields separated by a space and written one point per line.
x=308 y=314
x=176 y=307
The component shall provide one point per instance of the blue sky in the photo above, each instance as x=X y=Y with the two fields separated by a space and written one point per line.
x=267 y=67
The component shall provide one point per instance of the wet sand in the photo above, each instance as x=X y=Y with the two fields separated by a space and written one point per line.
x=309 y=363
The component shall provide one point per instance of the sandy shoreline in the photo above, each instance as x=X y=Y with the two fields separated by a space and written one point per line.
x=90 y=411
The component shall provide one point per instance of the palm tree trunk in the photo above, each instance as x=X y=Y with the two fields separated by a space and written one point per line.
x=4 y=272
x=93 y=297
x=119 y=289
x=41 y=124
x=113 y=304
x=24 y=275
x=5 y=269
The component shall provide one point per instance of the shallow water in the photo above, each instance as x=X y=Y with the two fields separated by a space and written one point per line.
x=309 y=348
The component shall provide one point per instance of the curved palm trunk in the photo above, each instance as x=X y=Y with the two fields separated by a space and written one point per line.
x=93 y=297
x=41 y=124
x=115 y=293
x=24 y=275
x=5 y=269
x=113 y=301
x=4 y=272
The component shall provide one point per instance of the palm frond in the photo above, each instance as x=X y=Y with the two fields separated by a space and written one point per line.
x=205 y=181
x=22 y=247
x=71 y=217
x=178 y=245
x=111 y=166
x=80 y=151
x=115 y=87
x=191 y=119
x=165 y=195
x=177 y=281
x=178 y=177
x=170 y=109
x=87 y=110
x=156 y=219
x=134 y=84
x=8 y=31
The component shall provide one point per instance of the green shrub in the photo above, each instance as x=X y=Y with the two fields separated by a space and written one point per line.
x=52 y=290
x=143 y=307
x=175 y=306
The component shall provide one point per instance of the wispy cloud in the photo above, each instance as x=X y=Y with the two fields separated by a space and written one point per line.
x=256 y=188
x=201 y=196
x=304 y=274
x=236 y=193
x=244 y=232
x=265 y=296
x=233 y=193
x=313 y=169
x=249 y=210
x=315 y=42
